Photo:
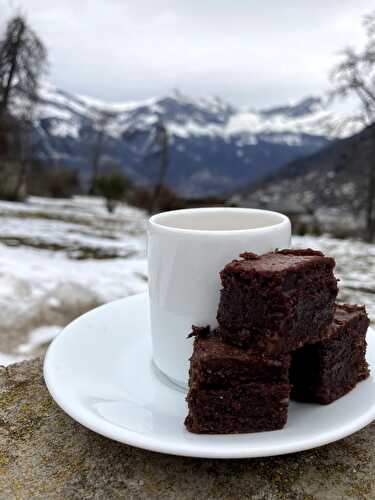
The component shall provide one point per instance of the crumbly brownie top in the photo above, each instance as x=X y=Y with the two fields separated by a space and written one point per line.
x=347 y=312
x=209 y=345
x=347 y=316
x=278 y=261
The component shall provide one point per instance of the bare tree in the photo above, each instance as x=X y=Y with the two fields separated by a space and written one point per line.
x=354 y=76
x=22 y=61
x=24 y=155
x=158 y=151
x=102 y=123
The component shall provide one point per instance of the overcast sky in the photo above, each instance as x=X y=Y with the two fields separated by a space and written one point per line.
x=250 y=52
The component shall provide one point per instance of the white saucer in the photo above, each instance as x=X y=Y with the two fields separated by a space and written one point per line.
x=99 y=371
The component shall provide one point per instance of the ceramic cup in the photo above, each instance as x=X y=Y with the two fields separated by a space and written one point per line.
x=186 y=251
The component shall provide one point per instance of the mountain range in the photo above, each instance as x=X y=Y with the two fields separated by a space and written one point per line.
x=215 y=147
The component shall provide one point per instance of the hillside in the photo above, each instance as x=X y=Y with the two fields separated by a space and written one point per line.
x=215 y=147
x=334 y=177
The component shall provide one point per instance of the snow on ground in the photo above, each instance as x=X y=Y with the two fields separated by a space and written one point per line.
x=35 y=344
x=60 y=258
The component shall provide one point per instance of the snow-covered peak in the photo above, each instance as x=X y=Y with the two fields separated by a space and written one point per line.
x=191 y=116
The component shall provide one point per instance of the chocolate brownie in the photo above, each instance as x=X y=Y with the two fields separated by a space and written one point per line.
x=233 y=390
x=244 y=408
x=278 y=301
x=215 y=364
x=325 y=371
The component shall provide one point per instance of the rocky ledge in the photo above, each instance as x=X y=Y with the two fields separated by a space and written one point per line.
x=45 y=454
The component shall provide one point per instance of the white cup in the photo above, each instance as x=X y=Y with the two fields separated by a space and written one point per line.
x=186 y=251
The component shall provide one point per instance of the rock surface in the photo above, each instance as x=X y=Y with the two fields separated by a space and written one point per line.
x=45 y=454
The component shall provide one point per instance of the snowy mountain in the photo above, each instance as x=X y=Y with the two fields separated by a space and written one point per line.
x=215 y=147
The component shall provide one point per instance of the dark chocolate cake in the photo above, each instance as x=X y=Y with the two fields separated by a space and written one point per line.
x=232 y=390
x=325 y=371
x=245 y=408
x=278 y=301
x=280 y=332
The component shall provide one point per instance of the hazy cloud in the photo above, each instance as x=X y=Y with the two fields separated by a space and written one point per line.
x=250 y=52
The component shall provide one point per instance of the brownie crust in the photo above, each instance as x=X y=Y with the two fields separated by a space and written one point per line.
x=325 y=371
x=277 y=302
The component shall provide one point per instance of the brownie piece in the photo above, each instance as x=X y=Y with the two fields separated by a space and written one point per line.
x=233 y=390
x=278 y=301
x=245 y=408
x=215 y=364
x=325 y=371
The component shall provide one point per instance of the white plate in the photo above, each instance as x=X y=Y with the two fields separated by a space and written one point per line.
x=99 y=371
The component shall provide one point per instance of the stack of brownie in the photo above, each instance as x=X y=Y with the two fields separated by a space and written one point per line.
x=280 y=335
